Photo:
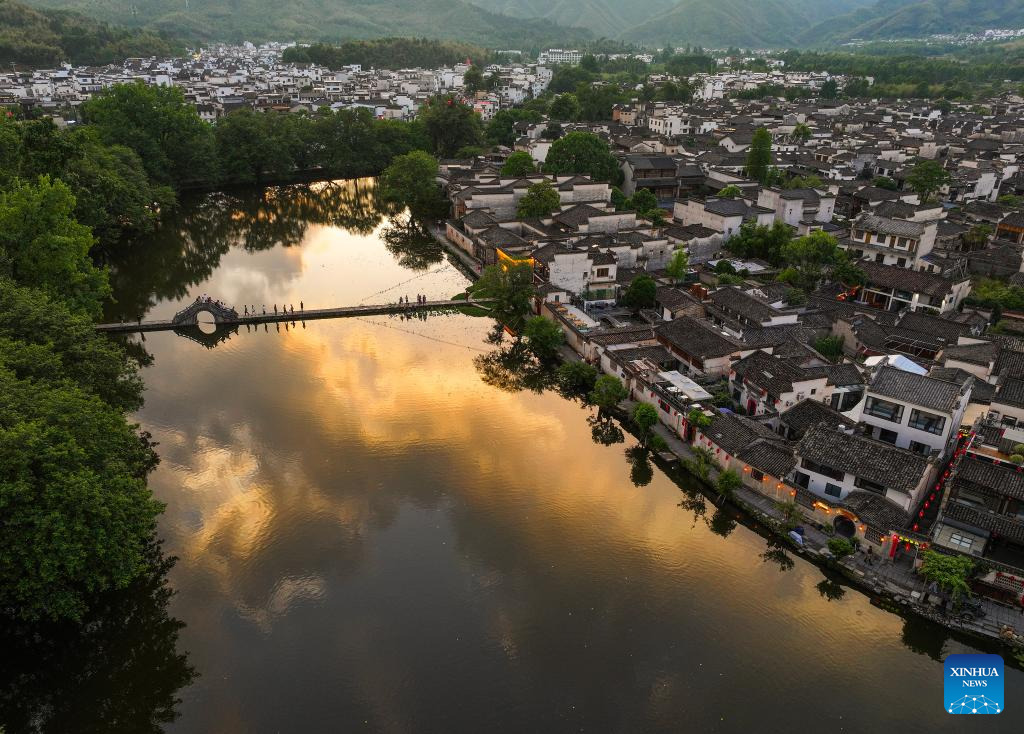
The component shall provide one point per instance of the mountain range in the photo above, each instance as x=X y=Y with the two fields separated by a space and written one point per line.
x=531 y=24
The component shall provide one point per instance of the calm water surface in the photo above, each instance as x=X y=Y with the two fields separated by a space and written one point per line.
x=370 y=538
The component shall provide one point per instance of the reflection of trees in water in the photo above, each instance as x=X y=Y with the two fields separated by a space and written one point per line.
x=694 y=502
x=924 y=637
x=411 y=242
x=830 y=590
x=641 y=471
x=118 y=671
x=512 y=368
x=722 y=522
x=776 y=553
x=604 y=430
x=189 y=243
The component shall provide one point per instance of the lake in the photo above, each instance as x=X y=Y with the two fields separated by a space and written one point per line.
x=373 y=537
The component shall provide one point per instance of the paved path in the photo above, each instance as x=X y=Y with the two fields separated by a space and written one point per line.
x=304 y=315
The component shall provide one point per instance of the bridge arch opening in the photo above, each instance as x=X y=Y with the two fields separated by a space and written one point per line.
x=206 y=321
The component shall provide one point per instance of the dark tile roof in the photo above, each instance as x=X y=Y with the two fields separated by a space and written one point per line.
x=672 y=298
x=878 y=512
x=769 y=373
x=808 y=413
x=989 y=478
x=904 y=279
x=1004 y=526
x=1010 y=392
x=923 y=390
x=697 y=338
x=983 y=353
x=737 y=302
x=894 y=468
x=771 y=457
x=884 y=225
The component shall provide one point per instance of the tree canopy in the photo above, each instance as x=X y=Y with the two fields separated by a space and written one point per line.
x=411 y=180
x=450 y=125
x=174 y=145
x=926 y=178
x=519 y=163
x=540 y=200
x=582 y=153
x=759 y=157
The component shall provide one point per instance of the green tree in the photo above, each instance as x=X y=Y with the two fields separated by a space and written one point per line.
x=174 y=145
x=645 y=418
x=949 y=573
x=473 y=79
x=42 y=246
x=829 y=90
x=582 y=153
x=764 y=242
x=543 y=338
x=727 y=483
x=450 y=125
x=45 y=342
x=641 y=293
x=539 y=201
x=730 y=192
x=759 y=157
x=501 y=129
x=564 y=107
x=884 y=182
x=926 y=178
x=519 y=163
x=698 y=419
x=678 y=266
x=802 y=132
x=411 y=180
x=840 y=547
x=576 y=379
x=608 y=392
x=596 y=102
x=252 y=146
x=77 y=513
x=510 y=290
x=816 y=256
x=643 y=202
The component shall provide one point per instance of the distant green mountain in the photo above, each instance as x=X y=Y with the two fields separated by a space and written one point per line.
x=917 y=18
x=325 y=20
x=48 y=37
x=744 y=23
x=608 y=18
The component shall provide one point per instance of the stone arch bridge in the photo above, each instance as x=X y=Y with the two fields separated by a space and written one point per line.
x=221 y=312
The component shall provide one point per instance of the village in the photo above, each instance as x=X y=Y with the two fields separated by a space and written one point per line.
x=889 y=412
x=886 y=410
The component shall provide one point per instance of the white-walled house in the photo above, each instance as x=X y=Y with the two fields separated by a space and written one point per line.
x=915 y=412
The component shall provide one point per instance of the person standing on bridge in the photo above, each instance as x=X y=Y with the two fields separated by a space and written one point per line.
x=302 y=306
x=275 y=309
x=264 y=309
x=246 y=309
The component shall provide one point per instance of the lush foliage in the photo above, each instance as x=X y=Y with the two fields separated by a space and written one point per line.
x=175 y=146
x=764 y=242
x=678 y=266
x=49 y=37
x=608 y=392
x=814 y=257
x=510 y=288
x=450 y=125
x=728 y=482
x=386 y=53
x=410 y=180
x=44 y=247
x=543 y=338
x=759 y=156
x=641 y=293
x=540 y=200
x=501 y=129
x=519 y=163
x=927 y=177
x=584 y=153
x=645 y=418
x=576 y=379
x=949 y=573
x=840 y=547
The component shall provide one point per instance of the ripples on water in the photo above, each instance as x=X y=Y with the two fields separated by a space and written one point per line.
x=371 y=537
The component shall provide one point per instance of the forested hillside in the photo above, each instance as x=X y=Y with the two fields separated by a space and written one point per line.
x=46 y=37
x=326 y=20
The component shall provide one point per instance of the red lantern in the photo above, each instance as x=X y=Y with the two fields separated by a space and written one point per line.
x=916 y=526
x=921 y=513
